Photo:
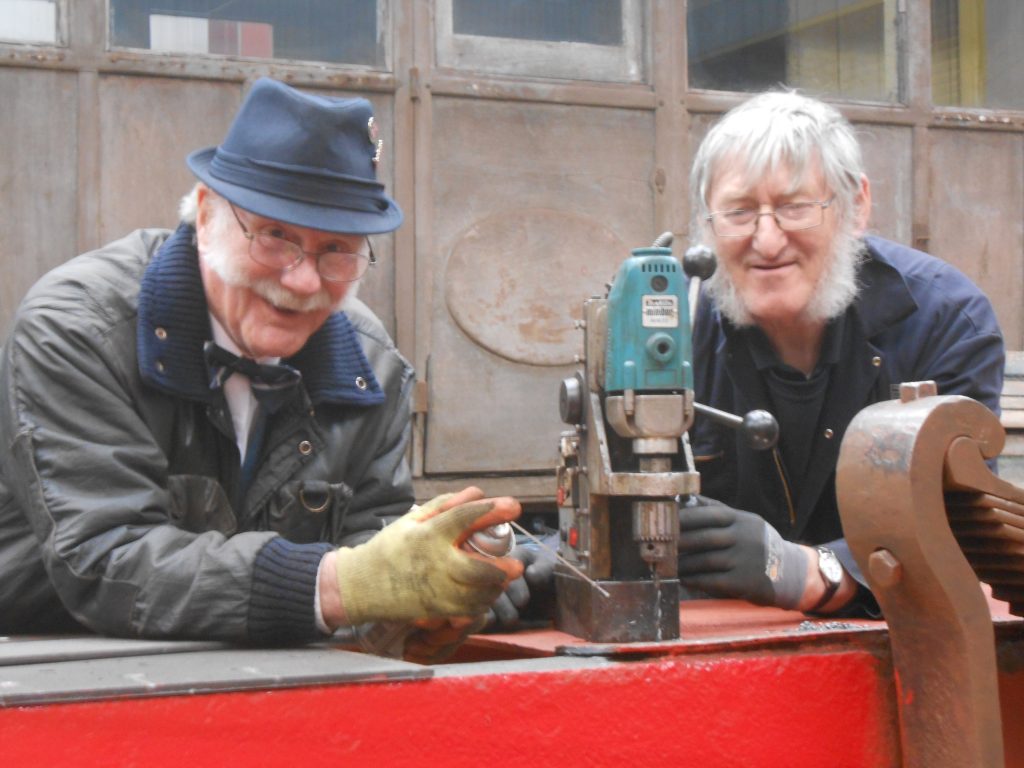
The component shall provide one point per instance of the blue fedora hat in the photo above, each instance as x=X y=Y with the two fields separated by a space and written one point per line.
x=301 y=159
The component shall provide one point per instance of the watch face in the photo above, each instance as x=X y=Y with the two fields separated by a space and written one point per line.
x=830 y=566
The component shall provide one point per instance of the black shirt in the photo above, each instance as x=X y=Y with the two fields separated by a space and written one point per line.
x=797 y=399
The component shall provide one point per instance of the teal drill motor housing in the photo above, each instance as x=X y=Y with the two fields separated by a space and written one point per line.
x=648 y=320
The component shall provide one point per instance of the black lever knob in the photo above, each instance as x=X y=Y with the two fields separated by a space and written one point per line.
x=758 y=427
x=699 y=261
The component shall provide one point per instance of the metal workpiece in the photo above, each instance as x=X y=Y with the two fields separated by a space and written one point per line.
x=925 y=518
x=632 y=611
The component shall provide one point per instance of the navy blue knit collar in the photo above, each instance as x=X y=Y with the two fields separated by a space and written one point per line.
x=174 y=323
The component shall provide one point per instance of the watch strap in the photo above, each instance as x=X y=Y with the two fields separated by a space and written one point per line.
x=831 y=587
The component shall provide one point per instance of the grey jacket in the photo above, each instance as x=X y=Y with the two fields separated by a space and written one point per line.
x=118 y=460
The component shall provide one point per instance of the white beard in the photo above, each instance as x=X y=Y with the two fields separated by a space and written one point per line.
x=835 y=291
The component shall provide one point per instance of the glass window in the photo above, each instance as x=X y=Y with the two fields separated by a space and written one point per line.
x=573 y=39
x=28 y=21
x=837 y=48
x=977 y=56
x=339 y=31
x=580 y=21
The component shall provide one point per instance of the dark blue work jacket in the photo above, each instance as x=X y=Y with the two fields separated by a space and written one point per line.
x=915 y=318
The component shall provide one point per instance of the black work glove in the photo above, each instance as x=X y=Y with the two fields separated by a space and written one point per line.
x=727 y=552
x=530 y=598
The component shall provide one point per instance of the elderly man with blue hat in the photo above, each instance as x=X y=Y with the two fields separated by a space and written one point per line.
x=203 y=432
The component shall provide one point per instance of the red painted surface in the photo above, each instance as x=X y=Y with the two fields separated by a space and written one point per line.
x=750 y=710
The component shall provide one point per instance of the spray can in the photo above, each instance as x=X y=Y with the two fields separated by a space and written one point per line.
x=387 y=638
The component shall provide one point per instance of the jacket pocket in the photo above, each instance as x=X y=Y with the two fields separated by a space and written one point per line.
x=199 y=503
x=309 y=510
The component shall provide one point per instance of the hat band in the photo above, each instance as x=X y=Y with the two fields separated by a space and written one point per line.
x=298 y=184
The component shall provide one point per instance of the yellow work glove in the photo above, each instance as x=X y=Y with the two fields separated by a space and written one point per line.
x=414 y=568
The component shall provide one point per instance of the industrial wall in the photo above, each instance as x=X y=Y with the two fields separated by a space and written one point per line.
x=531 y=145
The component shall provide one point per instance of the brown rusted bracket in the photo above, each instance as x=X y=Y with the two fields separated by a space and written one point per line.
x=890 y=485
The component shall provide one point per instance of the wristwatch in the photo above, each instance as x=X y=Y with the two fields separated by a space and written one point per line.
x=831 y=571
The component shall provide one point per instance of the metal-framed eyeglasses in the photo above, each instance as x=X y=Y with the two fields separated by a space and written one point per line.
x=790 y=217
x=333 y=264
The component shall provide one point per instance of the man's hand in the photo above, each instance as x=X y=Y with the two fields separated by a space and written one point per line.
x=727 y=552
x=534 y=589
x=414 y=568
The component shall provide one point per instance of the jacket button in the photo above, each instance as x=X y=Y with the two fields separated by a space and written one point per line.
x=829 y=434
x=360 y=382
x=876 y=361
x=159 y=366
x=305 y=447
x=161 y=333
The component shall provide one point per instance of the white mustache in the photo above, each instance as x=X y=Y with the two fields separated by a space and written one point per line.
x=267 y=288
x=282 y=298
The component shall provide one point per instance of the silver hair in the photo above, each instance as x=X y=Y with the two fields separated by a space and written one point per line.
x=786 y=129
x=188 y=207
x=781 y=128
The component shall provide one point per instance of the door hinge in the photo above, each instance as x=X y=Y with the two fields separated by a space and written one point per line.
x=420 y=397
x=414 y=83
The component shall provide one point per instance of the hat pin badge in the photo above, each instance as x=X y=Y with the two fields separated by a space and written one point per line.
x=373 y=133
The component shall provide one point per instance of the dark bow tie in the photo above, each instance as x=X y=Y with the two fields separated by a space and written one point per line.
x=271 y=384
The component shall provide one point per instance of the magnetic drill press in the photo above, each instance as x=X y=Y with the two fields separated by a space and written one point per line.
x=619 y=476
x=626 y=462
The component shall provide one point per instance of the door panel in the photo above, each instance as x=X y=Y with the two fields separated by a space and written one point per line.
x=887 y=157
x=534 y=208
x=38 y=178
x=976 y=220
x=147 y=128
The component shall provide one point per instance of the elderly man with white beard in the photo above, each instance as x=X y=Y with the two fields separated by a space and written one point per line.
x=203 y=432
x=811 y=319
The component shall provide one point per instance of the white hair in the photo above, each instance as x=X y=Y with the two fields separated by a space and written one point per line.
x=188 y=207
x=780 y=129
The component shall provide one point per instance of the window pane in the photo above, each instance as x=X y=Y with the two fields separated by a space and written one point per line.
x=581 y=21
x=595 y=40
x=342 y=31
x=977 y=55
x=837 y=48
x=28 y=21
